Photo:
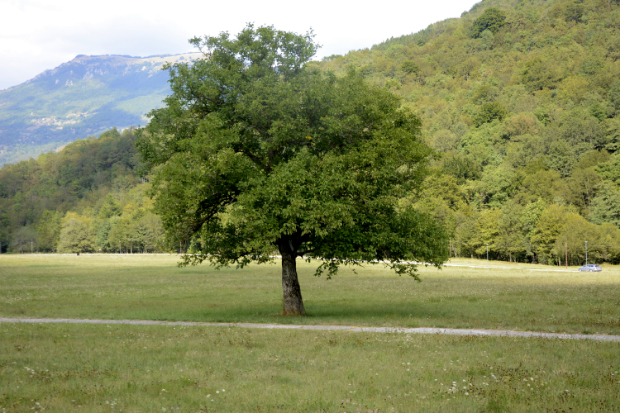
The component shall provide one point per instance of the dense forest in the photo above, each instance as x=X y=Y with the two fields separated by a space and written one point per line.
x=520 y=100
x=85 y=198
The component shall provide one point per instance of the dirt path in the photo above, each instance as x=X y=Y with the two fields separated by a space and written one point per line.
x=422 y=330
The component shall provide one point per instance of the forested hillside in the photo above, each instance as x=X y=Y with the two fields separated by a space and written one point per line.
x=521 y=99
x=85 y=198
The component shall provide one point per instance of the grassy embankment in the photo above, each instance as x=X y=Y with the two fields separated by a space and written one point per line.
x=112 y=368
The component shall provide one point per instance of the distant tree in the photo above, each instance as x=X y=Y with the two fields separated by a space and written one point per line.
x=120 y=234
x=150 y=232
x=410 y=67
x=48 y=229
x=606 y=205
x=485 y=93
x=255 y=152
x=24 y=238
x=521 y=124
x=611 y=129
x=110 y=208
x=488 y=231
x=468 y=67
x=573 y=12
x=561 y=157
x=4 y=240
x=492 y=19
x=465 y=232
x=490 y=111
x=511 y=240
x=461 y=167
x=102 y=236
x=542 y=184
x=575 y=232
x=486 y=40
x=578 y=126
x=614 y=95
x=445 y=140
x=530 y=216
x=582 y=186
x=574 y=88
x=610 y=170
x=547 y=230
x=539 y=74
x=75 y=237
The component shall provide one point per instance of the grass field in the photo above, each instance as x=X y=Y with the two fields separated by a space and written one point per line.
x=99 y=368
x=129 y=368
x=152 y=287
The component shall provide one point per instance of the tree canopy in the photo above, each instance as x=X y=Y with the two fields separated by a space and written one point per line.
x=492 y=19
x=254 y=153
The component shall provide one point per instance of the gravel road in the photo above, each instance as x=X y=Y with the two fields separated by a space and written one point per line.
x=422 y=330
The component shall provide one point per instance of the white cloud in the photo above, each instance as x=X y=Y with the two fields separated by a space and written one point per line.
x=36 y=35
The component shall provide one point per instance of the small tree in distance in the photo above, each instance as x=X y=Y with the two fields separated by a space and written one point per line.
x=75 y=237
x=256 y=152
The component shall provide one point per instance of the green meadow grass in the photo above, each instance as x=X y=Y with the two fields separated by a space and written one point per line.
x=131 y=368
x=507 y=296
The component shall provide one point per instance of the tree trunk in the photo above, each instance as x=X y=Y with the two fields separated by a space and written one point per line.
x=293 y=303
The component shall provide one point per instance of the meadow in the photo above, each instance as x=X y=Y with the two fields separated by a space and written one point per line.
x=131 y=368
x=152 y=287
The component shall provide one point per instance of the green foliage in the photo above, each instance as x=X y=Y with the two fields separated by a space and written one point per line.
x=614 y=95
x=492 y=19
x=110 y=208
x=610 y=170
x=547 y=230
x=24 y=240
x=256 y=152
x=410 y=67
x=606 y=205
x=92 y=177
x=540 y=74
x=48 y=229
x=489 y=112
x=611 y=130
x=76 y=236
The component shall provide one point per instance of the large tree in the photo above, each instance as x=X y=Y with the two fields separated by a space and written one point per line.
x=256 y=152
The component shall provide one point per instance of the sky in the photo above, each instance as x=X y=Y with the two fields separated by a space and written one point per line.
x=36 y=35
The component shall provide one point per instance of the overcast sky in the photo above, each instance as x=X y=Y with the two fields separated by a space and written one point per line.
x=36 y=35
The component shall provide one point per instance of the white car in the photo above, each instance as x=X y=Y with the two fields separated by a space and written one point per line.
x=591 y=267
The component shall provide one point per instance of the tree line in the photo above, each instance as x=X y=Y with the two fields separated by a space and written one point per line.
x=85 y=198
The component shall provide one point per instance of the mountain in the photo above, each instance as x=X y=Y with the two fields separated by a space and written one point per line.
x=82 y=97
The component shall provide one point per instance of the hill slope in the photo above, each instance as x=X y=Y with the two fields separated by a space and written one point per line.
x=522 y=99
x=82 y=97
